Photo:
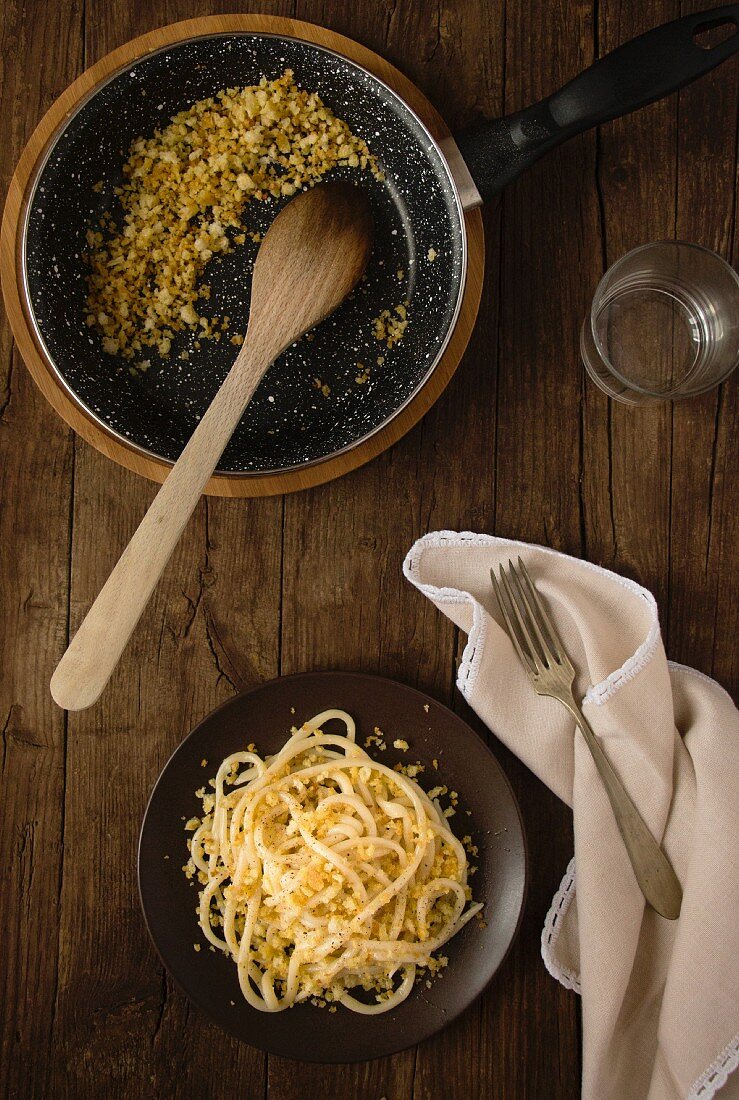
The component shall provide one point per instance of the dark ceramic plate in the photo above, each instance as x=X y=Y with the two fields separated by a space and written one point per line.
x=264 y=715
x=289 y=423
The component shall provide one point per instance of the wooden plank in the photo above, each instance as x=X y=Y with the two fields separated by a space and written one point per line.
x=193 y=648
x=656 y=478
x=36 y=462
x=342 y=571
x=488 y=1053
x=549 y=252
x=704 y=521
x=722 y=548
x=344 y=543
x=627 y=449
x=442 y=476
x=212 y=628
x=458 y=494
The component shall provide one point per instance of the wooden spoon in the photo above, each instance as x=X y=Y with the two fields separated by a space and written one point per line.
x=312 y=255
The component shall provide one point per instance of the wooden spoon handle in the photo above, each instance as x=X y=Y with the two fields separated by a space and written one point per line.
x=97 y=646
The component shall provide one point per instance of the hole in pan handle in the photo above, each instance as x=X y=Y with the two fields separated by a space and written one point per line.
x=639 y=72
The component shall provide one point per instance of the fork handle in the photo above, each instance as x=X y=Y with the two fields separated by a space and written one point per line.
x=657 y=880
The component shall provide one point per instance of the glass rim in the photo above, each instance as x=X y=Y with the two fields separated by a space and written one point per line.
x=664 y=395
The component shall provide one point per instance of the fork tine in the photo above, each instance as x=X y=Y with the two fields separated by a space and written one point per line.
x=558 y=650
x=517 y=645
x=521 y=625
x=546 y=651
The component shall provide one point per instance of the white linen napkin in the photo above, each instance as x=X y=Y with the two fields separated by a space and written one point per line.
x=660 y=998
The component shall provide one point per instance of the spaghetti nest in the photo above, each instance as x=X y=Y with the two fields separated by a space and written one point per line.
x=324 y=871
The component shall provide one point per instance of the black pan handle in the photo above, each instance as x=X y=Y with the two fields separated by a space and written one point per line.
x=639 y=72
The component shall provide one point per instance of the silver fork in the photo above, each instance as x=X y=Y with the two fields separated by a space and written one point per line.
x=550 y=671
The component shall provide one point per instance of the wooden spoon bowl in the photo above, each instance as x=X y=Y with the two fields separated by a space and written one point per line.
x=313 y=254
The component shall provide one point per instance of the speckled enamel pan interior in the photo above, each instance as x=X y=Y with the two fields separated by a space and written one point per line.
x=289 y=422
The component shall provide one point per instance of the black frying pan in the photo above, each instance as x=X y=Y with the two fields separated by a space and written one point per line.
x=419 y=207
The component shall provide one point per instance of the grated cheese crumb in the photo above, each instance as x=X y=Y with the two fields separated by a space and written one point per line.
x=390 y=327
x=362 y=374
x=184 y=194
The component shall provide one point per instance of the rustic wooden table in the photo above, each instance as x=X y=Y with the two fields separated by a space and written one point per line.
x=519 y=445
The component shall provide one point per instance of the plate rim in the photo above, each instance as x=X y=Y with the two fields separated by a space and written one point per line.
x=394 y=684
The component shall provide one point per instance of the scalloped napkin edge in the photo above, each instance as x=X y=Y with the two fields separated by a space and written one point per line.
x=665 y=1068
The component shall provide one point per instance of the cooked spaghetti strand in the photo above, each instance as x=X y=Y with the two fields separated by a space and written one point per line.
x=325 y=872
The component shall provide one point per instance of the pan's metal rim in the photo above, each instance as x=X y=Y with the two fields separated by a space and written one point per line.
x=27 y=305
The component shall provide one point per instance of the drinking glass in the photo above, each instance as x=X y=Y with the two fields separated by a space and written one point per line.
x=663 y=325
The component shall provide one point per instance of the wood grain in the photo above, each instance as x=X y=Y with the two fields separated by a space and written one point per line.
x=549 y=239
x=636 y=164
x=36 y=480
x=704 y=519
x=121 y=1029
x=519 y=445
